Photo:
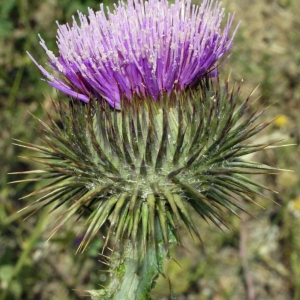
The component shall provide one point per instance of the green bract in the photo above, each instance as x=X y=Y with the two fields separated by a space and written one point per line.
x=150 y=162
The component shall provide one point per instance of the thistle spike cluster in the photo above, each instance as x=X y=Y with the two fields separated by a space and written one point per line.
x=142 y=48
x=150 y=161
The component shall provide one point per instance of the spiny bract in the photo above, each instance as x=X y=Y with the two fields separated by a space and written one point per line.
x=150 y=162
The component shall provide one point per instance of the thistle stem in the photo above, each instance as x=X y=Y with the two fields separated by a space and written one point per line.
x=134 y=270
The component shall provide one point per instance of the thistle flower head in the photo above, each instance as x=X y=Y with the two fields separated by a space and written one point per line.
x=142 y=48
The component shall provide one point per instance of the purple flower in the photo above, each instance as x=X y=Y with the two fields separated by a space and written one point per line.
x=143 y=48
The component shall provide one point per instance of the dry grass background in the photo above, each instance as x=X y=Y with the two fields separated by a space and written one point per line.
x=258 y=259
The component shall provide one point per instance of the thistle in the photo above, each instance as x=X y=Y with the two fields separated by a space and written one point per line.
x=150 y=138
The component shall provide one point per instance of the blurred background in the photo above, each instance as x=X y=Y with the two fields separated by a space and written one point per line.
x=258 y=259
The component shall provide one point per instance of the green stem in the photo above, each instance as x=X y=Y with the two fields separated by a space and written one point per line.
x=134 y=270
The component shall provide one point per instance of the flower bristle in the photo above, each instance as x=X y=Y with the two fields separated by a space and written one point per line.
x=142 y=47
x=150 y=161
